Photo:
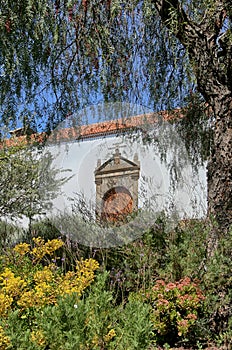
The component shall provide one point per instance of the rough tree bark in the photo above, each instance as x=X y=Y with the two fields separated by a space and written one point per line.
x=210 y=54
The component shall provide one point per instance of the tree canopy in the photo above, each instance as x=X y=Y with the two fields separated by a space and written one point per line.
x=28 y=182
x=59 y=56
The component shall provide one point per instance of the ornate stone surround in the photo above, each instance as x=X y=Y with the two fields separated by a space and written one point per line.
x=116 y=182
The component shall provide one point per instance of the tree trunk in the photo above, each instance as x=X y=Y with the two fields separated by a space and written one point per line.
x=211 y=63
x=220 y=166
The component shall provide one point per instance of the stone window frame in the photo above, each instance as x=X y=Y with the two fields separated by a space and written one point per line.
x=115 y=172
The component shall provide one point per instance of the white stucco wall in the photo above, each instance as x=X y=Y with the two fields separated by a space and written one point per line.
x=188 y=198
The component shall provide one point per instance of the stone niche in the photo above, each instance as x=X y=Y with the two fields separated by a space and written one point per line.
x=116 y=187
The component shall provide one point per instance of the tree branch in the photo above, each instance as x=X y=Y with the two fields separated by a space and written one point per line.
x=175 y=19
x=185 y=29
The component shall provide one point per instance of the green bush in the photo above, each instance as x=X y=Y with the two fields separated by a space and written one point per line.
x=217 y=281
x=41 y=228
x=94 y=322
x=159 y=253
x=126 y=307
x=175 y=309
x=9 y=233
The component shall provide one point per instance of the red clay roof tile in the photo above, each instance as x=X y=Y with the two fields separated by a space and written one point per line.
x=95 y=130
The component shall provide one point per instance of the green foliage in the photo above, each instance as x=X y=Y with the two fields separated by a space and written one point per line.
x=144 y=300
x=135 y=327
x=217 y=282
x=172 y=255
x=94 y=322
x=75 y=52
x=9 y=233
x=28 y=182
x=175 y=309
x=42 y=228
x=185 y=250
x=160 y=253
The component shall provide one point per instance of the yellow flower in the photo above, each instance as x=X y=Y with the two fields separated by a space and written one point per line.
x=110 y=335
x=95 y=340
x=77 y=282
x=42 y=288
x=41 y=248
x=5 y=303
x=38 y=337
x=27 y=299
x=37 y=285
x=45 y=275
x=52 y=246
x=87 y=265
x=22 y=248
x=10 y=284
x=4 y=340
x=36 y=298
x=38 y=241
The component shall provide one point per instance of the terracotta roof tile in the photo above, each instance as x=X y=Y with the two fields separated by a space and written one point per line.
x=112 y=126
x=95 y=130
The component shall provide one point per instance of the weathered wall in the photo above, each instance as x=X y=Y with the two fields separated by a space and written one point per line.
x=154 y=184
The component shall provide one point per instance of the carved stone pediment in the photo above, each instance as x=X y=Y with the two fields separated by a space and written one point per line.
x=117 y=176
x=116 y=163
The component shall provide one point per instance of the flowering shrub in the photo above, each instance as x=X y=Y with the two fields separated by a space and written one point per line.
x=175 y=307
x=42 y=308
x=27 y=283
x=96 y=322
x=4 y=340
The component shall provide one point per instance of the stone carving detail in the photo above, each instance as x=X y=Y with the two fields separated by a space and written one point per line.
x=116 y=186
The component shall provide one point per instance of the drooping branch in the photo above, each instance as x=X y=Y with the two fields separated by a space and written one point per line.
x=181 y=24
x=203 y=44
x=175 y=18
x=210 y=55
